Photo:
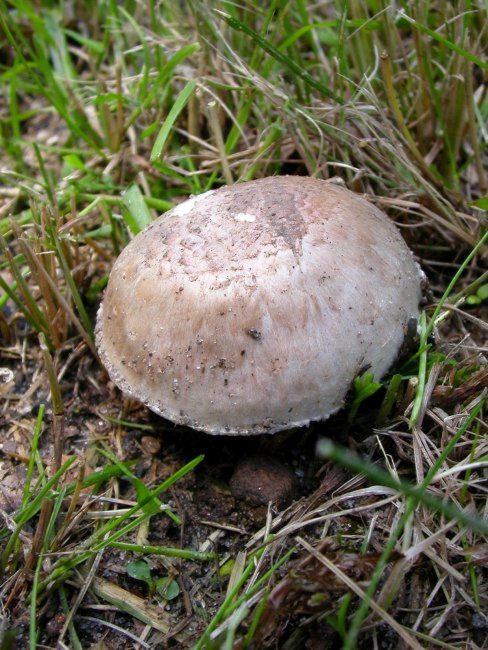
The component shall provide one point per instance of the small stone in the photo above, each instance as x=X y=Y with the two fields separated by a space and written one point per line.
x=260 y=479
x=150 y=445
x=55 y=624
x=479 y=621
x=7 y=380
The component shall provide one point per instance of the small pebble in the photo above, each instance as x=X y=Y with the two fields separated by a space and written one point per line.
x=480 y=621
x=150 y=445
x=6 y=380
x=260 y=479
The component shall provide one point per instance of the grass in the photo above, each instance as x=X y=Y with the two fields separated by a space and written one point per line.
x=110 y=114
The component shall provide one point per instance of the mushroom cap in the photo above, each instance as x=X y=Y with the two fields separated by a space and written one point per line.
x=251 y=308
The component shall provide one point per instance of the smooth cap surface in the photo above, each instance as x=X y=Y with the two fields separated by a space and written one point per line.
x=251 y=308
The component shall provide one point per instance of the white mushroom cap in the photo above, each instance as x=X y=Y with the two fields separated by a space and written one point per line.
x=251 y=308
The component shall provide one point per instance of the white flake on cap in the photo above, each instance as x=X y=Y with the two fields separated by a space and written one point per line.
x=187 y=206
x=243 y=216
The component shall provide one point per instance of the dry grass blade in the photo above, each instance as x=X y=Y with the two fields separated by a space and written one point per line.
x=402 y=632
x=127 y=602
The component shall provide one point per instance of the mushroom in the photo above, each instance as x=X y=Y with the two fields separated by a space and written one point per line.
x=252 y=308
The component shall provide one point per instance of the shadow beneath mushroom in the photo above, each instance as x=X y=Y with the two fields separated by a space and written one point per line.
x=254 y=470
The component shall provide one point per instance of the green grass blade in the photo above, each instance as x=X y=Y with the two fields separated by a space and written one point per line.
x=33 y=507
x=445 y=41
x=153 y=507
x=146 y=549
x=168 y=123
x=355 y=463
x=33 y=606
x=419 y=395
x=279 y=56
x=137 y=216
x=32 y=454
x=85 y=319
x=453 y=282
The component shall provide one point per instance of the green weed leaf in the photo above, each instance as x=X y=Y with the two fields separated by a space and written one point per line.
x=167 y=588
x=139 y=570
x=137 y=216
